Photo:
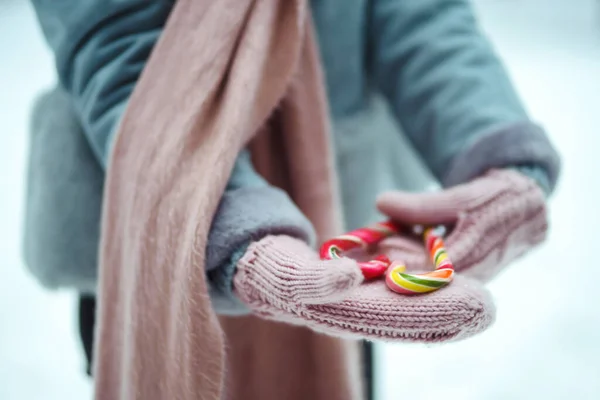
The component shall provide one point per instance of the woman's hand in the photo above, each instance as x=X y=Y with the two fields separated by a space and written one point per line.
x=495 y=219
x=281 y=278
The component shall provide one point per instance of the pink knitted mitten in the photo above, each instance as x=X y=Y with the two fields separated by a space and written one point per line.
x=281 y=278
x=496 y=219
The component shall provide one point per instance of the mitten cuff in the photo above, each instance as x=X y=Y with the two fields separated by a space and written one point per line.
x=247 y=215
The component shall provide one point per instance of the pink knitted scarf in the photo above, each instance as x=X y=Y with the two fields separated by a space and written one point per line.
x=224 y=74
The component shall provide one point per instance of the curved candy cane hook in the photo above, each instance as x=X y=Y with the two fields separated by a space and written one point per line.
x=401 y=282
x=395 y=276
x=362 y=238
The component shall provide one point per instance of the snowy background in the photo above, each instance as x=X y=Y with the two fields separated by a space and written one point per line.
x=544 y=344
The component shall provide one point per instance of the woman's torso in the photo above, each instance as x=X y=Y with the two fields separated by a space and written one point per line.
x=372 y=154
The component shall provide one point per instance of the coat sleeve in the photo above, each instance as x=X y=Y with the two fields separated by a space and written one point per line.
x=451 y=93
x=100 y=49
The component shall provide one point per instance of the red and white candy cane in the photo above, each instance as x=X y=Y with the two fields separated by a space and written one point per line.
x=395 y=276
x=362 y=238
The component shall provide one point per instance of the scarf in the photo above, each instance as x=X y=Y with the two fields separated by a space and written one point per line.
x=224 y=76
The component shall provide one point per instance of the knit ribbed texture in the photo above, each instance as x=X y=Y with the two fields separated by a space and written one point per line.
x=538 y=174
x=285 y=273
x=375 y=312
x=494 y=219
x=281 y=278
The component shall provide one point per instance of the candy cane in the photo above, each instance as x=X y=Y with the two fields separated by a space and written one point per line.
x=362 y=238
x=403 y=283
x=396 y=278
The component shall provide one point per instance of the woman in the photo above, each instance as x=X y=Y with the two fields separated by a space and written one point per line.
x=422 y=65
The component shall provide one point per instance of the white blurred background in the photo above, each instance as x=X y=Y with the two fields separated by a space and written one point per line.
x=544 y=344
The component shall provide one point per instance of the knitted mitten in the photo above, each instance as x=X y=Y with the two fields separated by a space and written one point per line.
x=495 y=219
x=281 y=278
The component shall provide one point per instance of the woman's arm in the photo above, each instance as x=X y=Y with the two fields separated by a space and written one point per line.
x=101 y=48
x=451 y=93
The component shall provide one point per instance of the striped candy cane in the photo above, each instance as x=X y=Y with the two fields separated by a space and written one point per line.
x=362 y=238
x=396 y=278
x=401 y=282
